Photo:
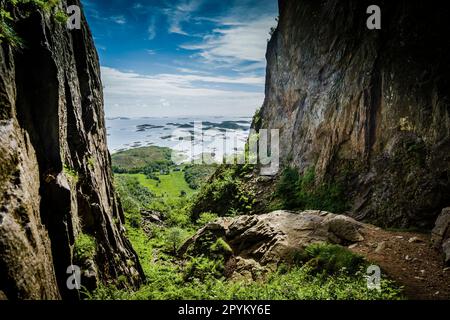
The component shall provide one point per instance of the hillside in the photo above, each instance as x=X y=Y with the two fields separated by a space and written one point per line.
x=136 y=160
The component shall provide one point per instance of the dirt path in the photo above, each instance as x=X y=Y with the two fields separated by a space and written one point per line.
x=409 y=259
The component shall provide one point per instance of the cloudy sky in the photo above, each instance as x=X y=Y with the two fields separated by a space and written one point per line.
x=182 y=57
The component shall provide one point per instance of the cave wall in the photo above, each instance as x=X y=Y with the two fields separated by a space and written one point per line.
x=368 y=107
x=55 y=178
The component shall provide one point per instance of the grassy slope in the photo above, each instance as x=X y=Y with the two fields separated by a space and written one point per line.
x=171 y=185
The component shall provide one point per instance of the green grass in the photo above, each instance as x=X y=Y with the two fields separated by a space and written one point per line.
x=167 y=283
x=142 y=246
x=201 y=278
x=170 y=186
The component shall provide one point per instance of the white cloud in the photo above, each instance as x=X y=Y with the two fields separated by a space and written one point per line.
x=180 y=14
x=152 y=29
x=191 y=71
x=164 y=103
x=131 y=92
x=119 y=19
x=236 y=43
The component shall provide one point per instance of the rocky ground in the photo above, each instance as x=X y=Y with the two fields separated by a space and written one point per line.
x=409 y=259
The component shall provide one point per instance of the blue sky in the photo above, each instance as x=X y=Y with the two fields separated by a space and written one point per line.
x=182 y=57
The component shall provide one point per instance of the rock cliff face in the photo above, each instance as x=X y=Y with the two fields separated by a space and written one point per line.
x=55 y=178
x=370 y=107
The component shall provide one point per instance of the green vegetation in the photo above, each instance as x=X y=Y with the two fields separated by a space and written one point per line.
x=134 y=196
x=295 y=191
x=91 y=163
x=319 y=275
x=169 y=185
x=202 y=268
x=84 y=248
x=330 y=259
x=320 y=272
x=205 y=218
x=174 y=238
x=200 y=282
x=257 y=120
x=7 y=32
x=147 y=160
x=197 y=175
x=71 y=173
x=226 y=193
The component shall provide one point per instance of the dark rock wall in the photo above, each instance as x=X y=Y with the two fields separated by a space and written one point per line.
x=55 y=176
x=370 y=107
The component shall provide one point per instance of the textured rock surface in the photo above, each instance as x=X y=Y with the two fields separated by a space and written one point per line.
x=275 y=237
x=440 y=235
x=369 y=107
x=55 y=178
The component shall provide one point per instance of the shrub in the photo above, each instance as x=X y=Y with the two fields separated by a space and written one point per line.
x=197 y=175
x=133 y=195
x=85 y=248
x=331 y=259
x=205 y=218
x=225 y=194
x=71 y=173
x=295 y=191
x=134 y=219
x=202 y=268
x=287 y=189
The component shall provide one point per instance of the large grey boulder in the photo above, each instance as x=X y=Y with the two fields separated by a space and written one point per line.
x=440 y=236
x=276 y=237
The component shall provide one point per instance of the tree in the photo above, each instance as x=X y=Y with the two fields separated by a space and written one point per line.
x=174 y=237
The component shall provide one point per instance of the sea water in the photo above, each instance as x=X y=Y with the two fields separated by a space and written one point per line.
x=128 y=133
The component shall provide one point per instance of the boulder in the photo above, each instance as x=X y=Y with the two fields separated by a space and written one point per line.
x=440 y=236
x=276 y=237
x=446 y=250
x=152 y=216
x=247 y=270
